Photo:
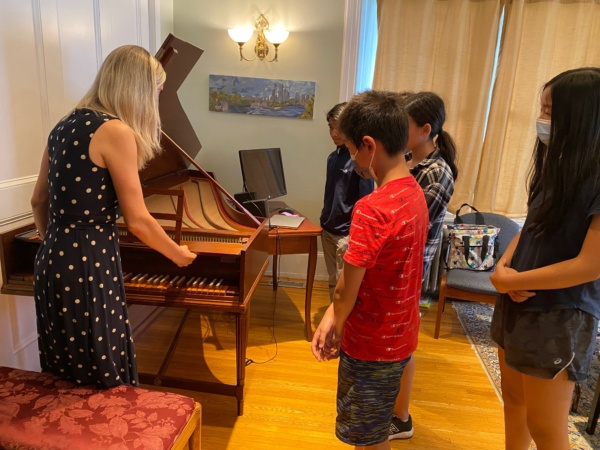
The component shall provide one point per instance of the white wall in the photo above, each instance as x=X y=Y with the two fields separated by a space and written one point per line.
x=50 y=51
x=312 y=52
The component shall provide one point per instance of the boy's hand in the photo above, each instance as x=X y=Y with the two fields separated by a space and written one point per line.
x=321 y=340
x=333 y=349
x=324 y=345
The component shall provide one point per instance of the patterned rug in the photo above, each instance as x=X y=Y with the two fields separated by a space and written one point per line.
x=475 y=319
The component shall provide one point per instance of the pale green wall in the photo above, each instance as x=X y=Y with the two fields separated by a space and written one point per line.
x=313 y=52
x=166 y=19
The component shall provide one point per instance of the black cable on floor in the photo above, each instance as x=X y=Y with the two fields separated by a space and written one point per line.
x=275 y=279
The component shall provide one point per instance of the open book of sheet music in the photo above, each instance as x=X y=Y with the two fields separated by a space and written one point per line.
x=283 y=221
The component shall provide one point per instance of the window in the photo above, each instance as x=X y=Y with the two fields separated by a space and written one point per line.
x=367 y=51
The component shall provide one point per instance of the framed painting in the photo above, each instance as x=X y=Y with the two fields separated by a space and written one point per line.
x=261 y=96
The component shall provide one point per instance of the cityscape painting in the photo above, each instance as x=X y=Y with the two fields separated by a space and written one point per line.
x=261 y=96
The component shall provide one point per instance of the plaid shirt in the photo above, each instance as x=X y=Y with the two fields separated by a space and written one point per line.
x=435 y=178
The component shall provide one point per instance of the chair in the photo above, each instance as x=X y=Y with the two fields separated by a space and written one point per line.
x=594 y=410
x=471 y=285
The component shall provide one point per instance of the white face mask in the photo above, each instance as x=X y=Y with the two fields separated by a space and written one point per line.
x=542 y=127
x=364 y=172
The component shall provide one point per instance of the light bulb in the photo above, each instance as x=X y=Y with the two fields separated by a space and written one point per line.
x=276 y=36
x=240 y=34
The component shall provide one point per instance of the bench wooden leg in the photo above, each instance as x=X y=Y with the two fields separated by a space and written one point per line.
x=190 y=437
x=195 y=442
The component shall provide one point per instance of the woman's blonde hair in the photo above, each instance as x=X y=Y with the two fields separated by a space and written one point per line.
x=126 y=87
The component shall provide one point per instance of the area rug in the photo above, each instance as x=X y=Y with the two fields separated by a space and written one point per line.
x=476 y=318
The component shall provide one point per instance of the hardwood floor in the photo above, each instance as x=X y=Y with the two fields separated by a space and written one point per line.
x=290 y=397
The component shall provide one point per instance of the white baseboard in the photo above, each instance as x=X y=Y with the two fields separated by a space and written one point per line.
x=14 y=199
x=23 y=344
x=18 y=335
x=295 y=267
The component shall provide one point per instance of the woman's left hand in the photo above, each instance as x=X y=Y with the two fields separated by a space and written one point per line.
x=520 y=296
x=500 y=279
x=499 y=276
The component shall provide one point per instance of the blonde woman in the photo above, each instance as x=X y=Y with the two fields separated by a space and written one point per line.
x=88 y=177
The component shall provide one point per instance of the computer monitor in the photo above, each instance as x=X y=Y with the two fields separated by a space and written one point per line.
x=262 y=173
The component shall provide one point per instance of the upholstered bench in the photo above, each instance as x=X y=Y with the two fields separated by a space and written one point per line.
x=41 y=411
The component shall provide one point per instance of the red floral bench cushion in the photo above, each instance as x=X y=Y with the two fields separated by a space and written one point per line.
x=41 y=411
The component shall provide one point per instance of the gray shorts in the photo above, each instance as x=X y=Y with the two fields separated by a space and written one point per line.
x=542 y=343
x=366 y=396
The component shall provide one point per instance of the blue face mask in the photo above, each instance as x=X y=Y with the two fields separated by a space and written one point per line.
x=364 y=172
x=542 y=127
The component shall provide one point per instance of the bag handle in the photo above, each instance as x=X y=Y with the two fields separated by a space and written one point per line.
x=484 y=250
x=466 y=245
x=479 y=220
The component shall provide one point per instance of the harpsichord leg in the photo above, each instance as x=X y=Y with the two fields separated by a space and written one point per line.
x=241 y=343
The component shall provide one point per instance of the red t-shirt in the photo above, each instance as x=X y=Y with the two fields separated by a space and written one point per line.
x=387 y=236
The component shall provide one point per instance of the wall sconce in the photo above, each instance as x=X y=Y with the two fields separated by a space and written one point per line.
x=261 y=49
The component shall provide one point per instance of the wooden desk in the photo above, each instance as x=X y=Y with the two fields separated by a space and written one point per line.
x=288 y=241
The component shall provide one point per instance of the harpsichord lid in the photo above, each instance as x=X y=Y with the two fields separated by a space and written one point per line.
x=177 y=58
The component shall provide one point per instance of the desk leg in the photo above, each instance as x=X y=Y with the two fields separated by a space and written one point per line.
x=310 y=278
x=241 y=342
x=275 y=270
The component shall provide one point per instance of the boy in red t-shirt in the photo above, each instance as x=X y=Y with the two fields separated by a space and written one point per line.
x=373 y=322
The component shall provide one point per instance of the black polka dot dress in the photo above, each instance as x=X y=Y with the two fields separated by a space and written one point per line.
x=83 y=327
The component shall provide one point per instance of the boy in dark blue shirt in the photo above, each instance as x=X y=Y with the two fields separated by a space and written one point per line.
x=343 y=187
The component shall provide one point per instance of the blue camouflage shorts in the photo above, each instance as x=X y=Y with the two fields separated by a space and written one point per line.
x=366 y=396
